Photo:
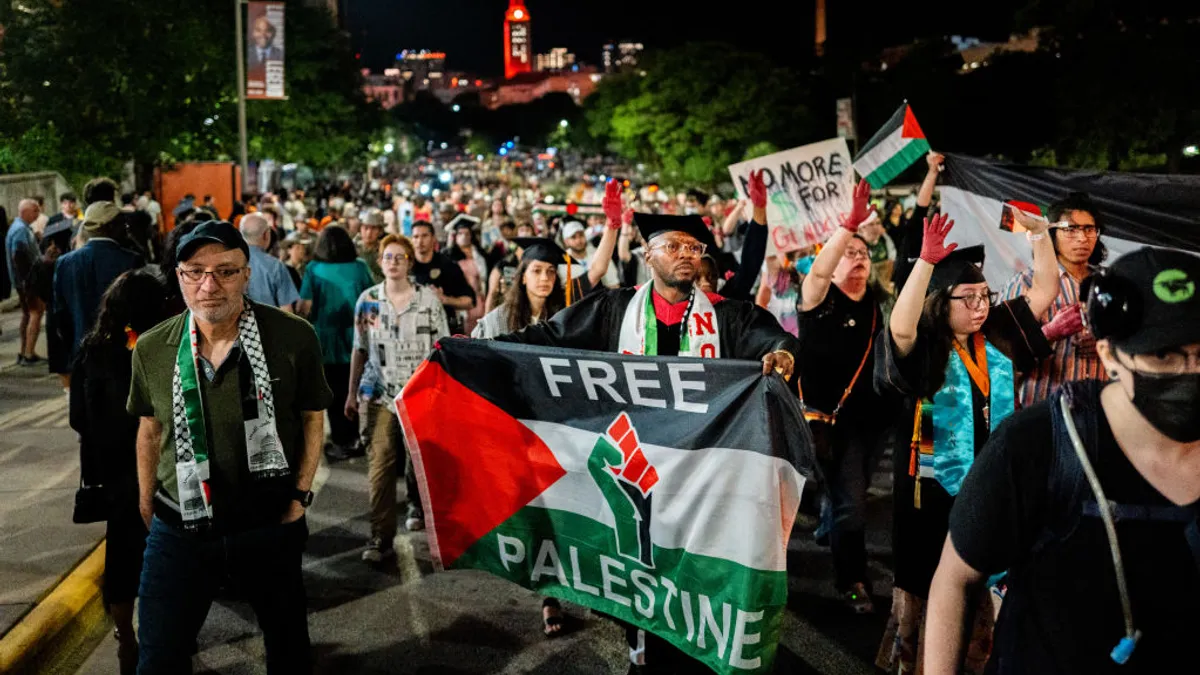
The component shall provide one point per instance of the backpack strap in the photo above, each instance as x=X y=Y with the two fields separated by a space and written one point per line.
x=1066 y=484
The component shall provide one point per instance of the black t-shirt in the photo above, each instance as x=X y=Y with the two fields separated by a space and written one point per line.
x=833 y=338
x=442 y=272
x=1062 y=613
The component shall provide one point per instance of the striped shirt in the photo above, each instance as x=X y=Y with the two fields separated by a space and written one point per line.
x=1066 y=364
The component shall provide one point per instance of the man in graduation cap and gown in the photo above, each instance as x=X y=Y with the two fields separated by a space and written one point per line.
x=668 y=316
x=650 y=320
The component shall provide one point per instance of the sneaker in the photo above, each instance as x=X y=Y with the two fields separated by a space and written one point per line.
x=377 y=551
x=858 y=600
x=20 y=359
x=32 y=360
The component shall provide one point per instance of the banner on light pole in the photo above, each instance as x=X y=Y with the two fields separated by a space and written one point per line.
x=264 y=51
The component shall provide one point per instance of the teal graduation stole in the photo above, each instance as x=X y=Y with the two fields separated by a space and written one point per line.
x=952 y=417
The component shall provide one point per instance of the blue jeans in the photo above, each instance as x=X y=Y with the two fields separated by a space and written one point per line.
x=182 y=574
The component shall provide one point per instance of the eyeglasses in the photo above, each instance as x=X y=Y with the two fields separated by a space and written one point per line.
x=977 y=300
x=1078 y=231
x=676 y=248
x=221 y=275
x=1168 y=362
x=857 y=254
x=394 y=257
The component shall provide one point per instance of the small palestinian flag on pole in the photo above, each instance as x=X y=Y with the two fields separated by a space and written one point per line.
x=892 y=149
x=660 y=491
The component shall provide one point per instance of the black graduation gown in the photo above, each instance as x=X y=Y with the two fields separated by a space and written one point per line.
x=919 y=534
x=594 y=323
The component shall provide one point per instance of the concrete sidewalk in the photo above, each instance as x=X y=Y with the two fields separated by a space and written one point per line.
x=39 y=472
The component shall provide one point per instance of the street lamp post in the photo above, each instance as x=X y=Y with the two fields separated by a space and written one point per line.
x=238 y=49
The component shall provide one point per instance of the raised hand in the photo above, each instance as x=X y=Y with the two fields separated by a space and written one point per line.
x=1033 y=224
x=936 y=161
x=1064 y=324
x=757 y=190
x=860 y=210
x=933 y=246
x=612 y=204
x=627 y=218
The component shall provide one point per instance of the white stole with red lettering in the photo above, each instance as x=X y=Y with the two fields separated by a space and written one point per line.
x=639 y=329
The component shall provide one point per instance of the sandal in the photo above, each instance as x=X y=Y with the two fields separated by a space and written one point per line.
x=553 y=619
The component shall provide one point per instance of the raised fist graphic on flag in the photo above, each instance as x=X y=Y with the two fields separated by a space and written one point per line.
x=626 y=478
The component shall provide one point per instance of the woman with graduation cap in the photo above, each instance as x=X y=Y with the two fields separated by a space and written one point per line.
x=536 y=296
x=952 y=355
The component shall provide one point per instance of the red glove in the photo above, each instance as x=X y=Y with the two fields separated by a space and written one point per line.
x=1064 y=324
x=757 y=190
x=933 y=246
x=613 y=206
x=860 y=210
x=627 y=219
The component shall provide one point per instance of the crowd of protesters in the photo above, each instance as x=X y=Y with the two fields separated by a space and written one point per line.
x=898 y=344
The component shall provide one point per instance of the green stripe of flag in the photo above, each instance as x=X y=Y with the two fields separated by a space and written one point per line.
x=719 y=612
x=912 y=151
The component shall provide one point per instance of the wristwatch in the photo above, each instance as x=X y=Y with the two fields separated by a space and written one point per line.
x=305 y=497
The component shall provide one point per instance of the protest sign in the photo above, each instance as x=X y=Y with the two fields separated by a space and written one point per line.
x=809 y=191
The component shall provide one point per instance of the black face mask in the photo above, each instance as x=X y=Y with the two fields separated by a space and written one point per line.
x=1171 y=403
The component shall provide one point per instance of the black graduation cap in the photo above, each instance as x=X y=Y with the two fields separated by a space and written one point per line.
x=651 y=225
x=541 y=248
x=698 y=196
x=963 y=266
x=463 y=221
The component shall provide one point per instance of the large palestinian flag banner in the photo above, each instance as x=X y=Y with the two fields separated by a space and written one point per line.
x=660 y=491
x=1135 y=209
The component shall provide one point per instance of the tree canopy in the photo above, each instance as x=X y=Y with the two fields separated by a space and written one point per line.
x=83 y=88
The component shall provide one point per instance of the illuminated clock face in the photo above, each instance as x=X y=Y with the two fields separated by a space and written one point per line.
x=518 y=14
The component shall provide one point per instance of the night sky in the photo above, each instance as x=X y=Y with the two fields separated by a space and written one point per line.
x=470 y=31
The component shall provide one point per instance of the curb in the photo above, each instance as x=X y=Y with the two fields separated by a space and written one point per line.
x=60 y=622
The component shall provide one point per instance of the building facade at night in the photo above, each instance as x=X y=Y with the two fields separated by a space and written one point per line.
x=528 y=87
x=518 y=45
x=556 y=60
x=620 y=55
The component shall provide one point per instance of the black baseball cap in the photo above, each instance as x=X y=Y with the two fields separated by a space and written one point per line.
x=211 y=232
x=1163 y=310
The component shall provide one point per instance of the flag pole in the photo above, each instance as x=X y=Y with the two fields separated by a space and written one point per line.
x=240 y=50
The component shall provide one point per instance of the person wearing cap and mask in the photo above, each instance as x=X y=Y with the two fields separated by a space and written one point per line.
x=1090 y=499
x=227 y=449
x=951 y=357
x=81 y=277
x=687 y=322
